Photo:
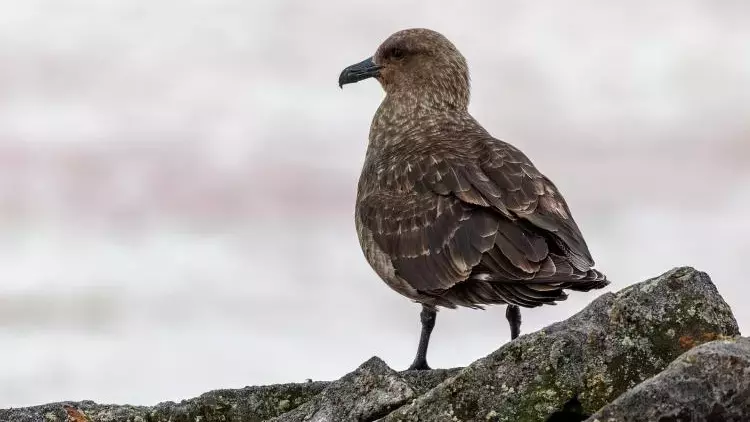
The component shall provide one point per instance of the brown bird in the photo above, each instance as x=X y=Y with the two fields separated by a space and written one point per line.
x=446 y=214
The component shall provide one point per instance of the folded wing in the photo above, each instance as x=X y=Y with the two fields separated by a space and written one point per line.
x=478 y=226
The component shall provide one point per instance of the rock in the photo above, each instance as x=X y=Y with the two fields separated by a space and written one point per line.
x=612 y=345
x=564 y=372
x=249 y=404
x=373 y=390
x=424 y=381
x=709 y=383
x=370 y=392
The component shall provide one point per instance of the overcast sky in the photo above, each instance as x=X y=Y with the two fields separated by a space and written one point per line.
x=177 y=178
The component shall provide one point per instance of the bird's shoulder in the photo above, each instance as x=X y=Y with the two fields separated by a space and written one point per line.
x=444 y=157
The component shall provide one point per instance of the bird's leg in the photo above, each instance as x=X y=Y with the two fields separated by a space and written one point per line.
x=427 y=316
x=513 y=314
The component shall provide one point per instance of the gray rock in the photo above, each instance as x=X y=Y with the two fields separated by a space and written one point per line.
x=612 y=345
x=373 y=390
x=564 y=372
x=249 y=404
x=424 y=381
x=709 y=383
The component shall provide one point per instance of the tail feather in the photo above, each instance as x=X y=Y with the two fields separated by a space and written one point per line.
x=592 y=280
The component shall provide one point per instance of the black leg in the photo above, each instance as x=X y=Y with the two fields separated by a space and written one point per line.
x=427 y=316
x=513 y=313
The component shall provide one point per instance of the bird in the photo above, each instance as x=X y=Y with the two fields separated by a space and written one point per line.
x=446 y=214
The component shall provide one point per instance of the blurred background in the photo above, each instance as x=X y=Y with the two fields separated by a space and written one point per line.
x=177 y=178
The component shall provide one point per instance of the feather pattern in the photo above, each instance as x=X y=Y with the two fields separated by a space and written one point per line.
x=467 y=219
x=449 y=215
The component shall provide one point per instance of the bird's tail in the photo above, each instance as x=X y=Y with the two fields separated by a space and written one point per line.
x=562 y=273
x=546 y=286
x=592 y=280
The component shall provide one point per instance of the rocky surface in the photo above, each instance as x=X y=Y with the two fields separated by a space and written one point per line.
x=247 y=404
x=709 y=383
x=380 y=388
x=604 y=359
x=612 y=345
x=368 y=393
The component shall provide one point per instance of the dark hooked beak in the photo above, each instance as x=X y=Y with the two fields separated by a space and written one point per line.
x=356 y=72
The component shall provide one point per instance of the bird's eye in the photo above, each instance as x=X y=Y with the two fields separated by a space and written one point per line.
x=397 y=53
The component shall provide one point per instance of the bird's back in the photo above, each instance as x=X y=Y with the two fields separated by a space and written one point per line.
x=448 y=215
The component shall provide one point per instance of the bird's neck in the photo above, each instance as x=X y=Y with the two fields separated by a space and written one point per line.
x=402 y=119
x=423 y=100
x=404 y=116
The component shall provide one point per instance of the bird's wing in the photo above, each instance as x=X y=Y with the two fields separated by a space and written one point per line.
x=507 y=179
x=433 y=241
x=442 y=218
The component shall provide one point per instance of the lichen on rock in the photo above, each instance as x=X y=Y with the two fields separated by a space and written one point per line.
x=371 y=391
x=605 y=357
x=708 y=383
x=249 y=404
x=616 y=342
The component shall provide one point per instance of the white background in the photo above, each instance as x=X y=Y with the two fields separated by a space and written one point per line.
x=177 y=178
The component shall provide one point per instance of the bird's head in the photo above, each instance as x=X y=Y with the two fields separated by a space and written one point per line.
x=417 y=62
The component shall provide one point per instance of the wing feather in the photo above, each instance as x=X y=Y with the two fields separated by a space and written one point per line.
x=476 y=226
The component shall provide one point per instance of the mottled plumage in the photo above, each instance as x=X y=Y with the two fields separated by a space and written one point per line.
x=446 y=214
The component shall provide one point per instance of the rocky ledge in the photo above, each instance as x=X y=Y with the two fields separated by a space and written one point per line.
x=666 y=349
